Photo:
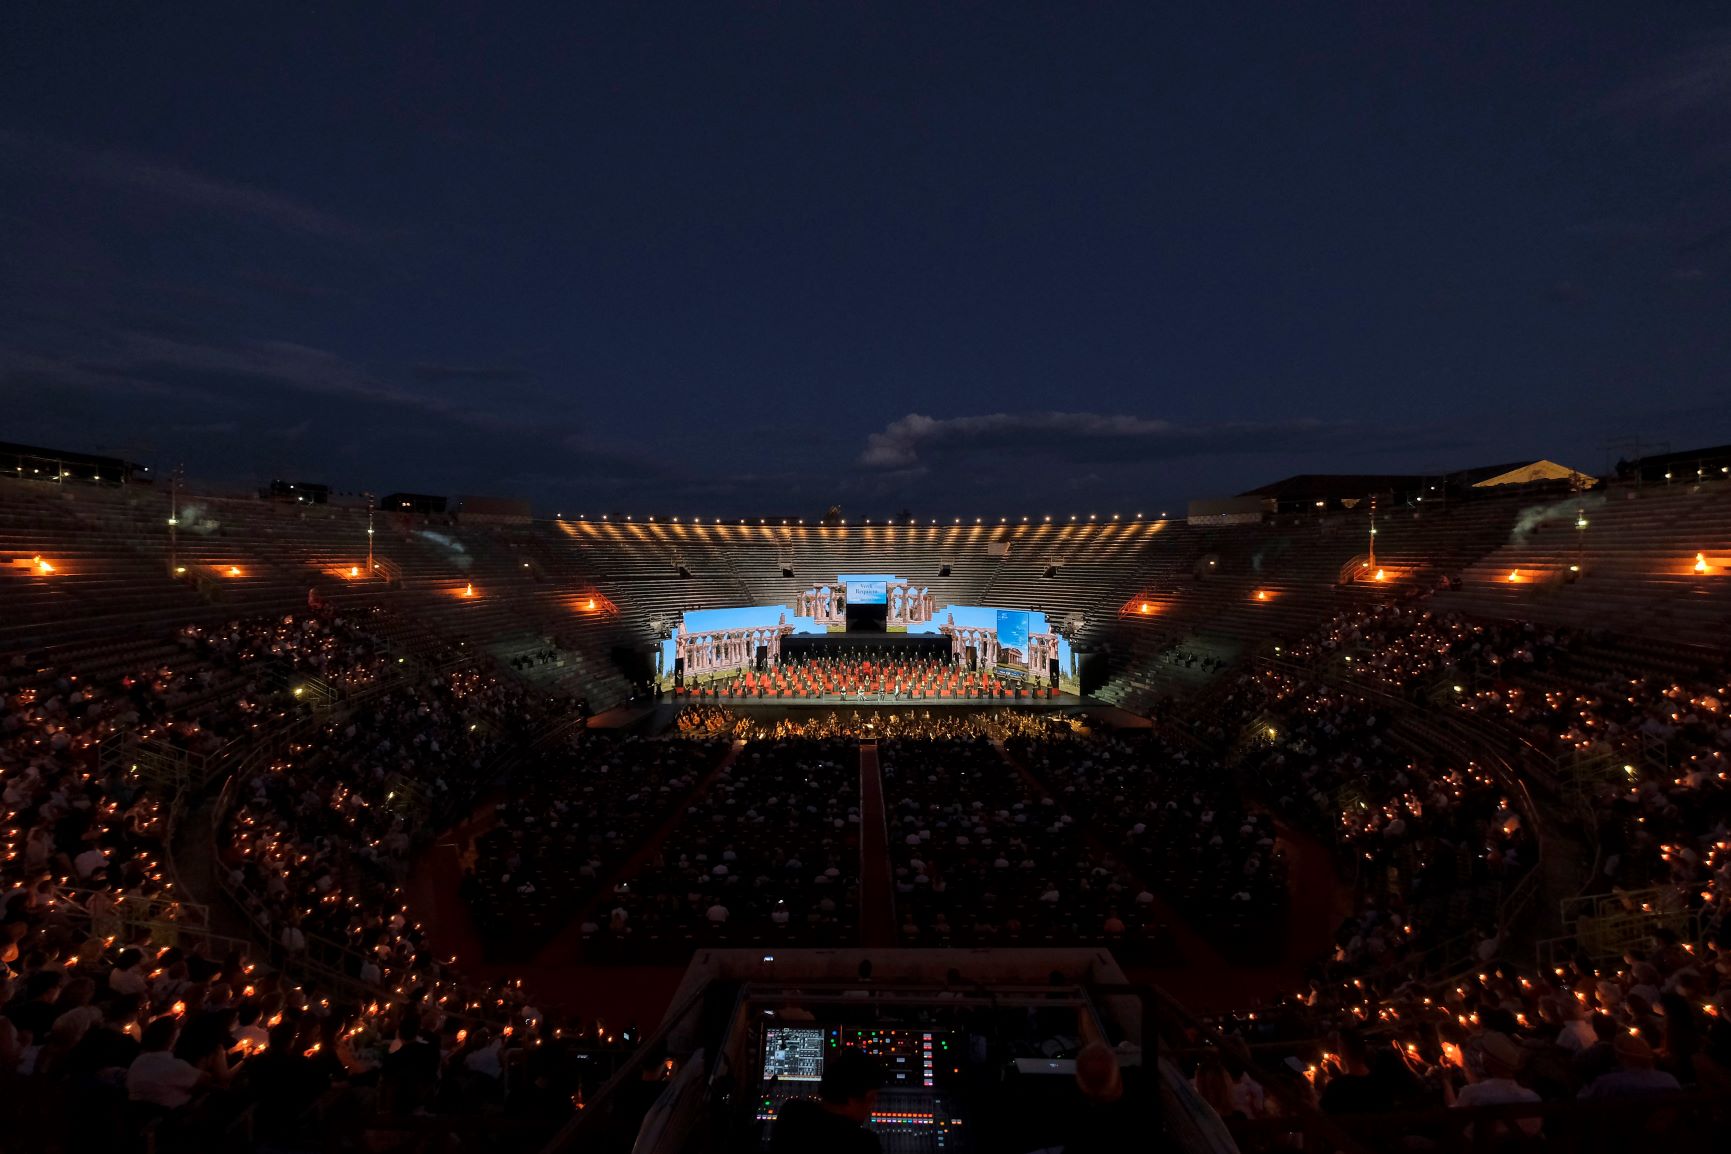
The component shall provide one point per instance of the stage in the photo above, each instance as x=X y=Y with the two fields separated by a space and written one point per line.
x=880 y=701
x=661 y=718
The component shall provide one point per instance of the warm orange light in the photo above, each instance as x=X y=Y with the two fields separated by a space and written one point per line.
x=42 y=566
x=1381 y=576
x=1147 y=608
x=1514 y=574
x=354 y=570
x=1700 y=563
x=469 y=590
x=1262 y=594
x=591 y=603
x=234 y=570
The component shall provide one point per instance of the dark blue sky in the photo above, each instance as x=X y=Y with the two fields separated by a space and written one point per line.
x=718 y=258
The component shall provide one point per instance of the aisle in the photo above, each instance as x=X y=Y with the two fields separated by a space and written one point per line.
x=876 y=890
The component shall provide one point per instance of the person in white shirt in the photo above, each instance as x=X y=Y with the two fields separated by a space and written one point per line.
x=1502 y=1061
x=1574 y=1031
x=157 y=1076
x=90 y=861
x=250 y=1035
x=127 y=978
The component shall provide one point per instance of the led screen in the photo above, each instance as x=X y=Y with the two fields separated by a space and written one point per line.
x=1019 y=642
x=867 y=593
x=703 y=624
x=1017 y=634
x=793 y=1054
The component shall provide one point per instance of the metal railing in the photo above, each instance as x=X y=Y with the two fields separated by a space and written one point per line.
x=1454 y=954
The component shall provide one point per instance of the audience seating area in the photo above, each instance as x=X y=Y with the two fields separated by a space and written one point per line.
x=217 y=783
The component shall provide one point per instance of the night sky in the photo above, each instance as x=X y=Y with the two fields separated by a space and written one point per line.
x=761 y=258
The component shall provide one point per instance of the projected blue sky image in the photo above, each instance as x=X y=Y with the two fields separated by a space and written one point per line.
x=1013 y=629
x=867 y=593
x=737 y=617
x=986 y=617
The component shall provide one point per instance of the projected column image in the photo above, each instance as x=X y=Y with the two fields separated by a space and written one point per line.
x=1011 y=628
x=1018 y=643
x=712 y=644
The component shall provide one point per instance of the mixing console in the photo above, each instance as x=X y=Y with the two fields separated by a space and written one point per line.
x=918 y=1109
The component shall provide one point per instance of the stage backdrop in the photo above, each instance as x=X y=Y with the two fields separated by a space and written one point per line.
x=1016 y=642
x=717 y=640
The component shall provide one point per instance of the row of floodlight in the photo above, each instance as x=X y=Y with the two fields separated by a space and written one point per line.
x=887 y=521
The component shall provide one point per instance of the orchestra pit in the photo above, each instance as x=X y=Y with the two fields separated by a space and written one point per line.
x=1354 y=813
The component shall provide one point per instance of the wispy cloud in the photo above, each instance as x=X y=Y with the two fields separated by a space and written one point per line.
x=470 y=374
x=903 y=443
x=173 y=184
x=202 y=372
x=1695 y=80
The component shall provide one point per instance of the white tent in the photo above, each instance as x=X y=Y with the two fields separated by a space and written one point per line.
x=1537 y=471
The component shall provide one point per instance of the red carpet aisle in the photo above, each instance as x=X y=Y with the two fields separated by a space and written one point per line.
x=876 y=898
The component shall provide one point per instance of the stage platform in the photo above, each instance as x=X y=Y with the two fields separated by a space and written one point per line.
x=769 y=712
x=885 y=701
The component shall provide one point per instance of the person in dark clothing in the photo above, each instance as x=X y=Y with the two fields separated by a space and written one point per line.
x=835 y=1122
x=34 y=1009
x=1356 y=1089
x=1112 y=1116
x=282 y=1080
x=107 y=1047
x=411 y=1071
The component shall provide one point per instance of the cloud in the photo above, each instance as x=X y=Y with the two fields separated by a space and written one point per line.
x=204 y=373
x=470 y=374
x=170 y=183
x=211 y=429
x=1085 y=437
x=1687 y=82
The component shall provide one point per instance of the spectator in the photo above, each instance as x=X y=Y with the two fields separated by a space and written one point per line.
x=835 y=1122
x=156 y=1076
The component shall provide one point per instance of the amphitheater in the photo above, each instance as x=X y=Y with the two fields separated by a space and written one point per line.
x=1352 y=802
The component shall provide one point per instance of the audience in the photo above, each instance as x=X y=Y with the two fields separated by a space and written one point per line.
x=1004 y=828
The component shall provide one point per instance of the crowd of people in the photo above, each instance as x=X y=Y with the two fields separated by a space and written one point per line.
x=903 y=678
x=1003 y=827
x=319 y=836
x=767 y=852
x=126 y=1013
x=1382 y=1026
x=700 y=720
x=1174 y=815
x=572 y=816
x=983 y=856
